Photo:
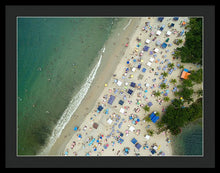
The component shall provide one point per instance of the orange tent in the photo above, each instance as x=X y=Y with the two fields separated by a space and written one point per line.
x=185 y=75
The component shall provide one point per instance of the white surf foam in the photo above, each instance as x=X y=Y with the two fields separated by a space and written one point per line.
x=71 y=108
x=127 y=24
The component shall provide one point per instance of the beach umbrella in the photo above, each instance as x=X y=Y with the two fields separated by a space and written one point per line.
x=75 y=128
x=150 y=104
x=151 y=52
x=134 y=60
x=145 y=48
x=95 y=125
x=106 y=85
x=128 y=62
x=181 y=33
x=147 y=41
x=126 y=44
x=158 y=42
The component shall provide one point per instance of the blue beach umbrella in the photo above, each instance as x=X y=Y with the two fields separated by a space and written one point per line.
x=75 y=128
x=150 y=104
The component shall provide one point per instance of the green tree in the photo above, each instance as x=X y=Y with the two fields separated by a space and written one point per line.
x=146 y=108
x=173 y=81
x=199 y=92
x=163 y=86
x=187 y=83
x=186 y=93
x=171 y=65
x=196 y=76
x=150 y=132
x=166 y=99
x=156 y=93
x=191 y=51
x=177 y=103
x=165 y=74
x=179 y=41
x=147 y=118
x=176 y=117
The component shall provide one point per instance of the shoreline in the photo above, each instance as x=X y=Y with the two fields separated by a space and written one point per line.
x=93 y=92
x=113 y=68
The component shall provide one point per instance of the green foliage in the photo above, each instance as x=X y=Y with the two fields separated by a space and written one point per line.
x=157 y=114
x=165 y=74
x=171 y=65
x=163 y=86
x=196 y=76
x=187 y=83
x=166 y=99
x=147 y=118
x=177 y=116
x=173 y=81
x=157 y=93
x=192 y=49
x=146 y=108
x=199 y=92
x=150 y=132
x=186 y=93
x=177 y=103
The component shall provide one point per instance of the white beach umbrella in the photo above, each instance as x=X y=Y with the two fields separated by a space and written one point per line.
x=149 y=64
x=158 y=32
x=156 y=50
x=169 y=33
x=122 y=110
x=131 y=128
x=133 y=69
x=119 y=83
x=109 y=121
x=151 y=59
x=147 y=41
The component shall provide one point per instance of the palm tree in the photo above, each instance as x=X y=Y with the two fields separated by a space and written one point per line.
x=163 y=86
x=157 y=114
x=157 y=93
x=164 y=74
x=199 y=92
x=181 y=66
x=150 y=132
x=173 y=81
x=171 y=65
x=179 y=41
x=147 y=119
x=146 y=108
x=166 y=99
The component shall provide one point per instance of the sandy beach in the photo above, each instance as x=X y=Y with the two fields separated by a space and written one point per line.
x=106 y=128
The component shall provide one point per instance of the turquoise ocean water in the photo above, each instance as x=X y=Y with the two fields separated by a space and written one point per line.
x=54 y=58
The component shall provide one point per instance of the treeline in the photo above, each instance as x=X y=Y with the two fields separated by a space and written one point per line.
x=178 y=116
x=191 y=51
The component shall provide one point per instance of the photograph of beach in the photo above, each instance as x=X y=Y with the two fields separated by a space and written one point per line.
x=110 y=86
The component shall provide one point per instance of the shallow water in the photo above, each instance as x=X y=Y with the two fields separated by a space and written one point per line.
x=55 y=57
x=190 y=141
